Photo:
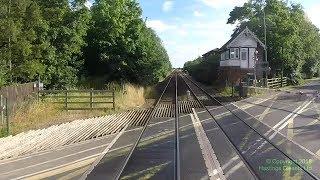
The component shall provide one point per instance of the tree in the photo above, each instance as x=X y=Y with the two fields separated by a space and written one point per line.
x=43 y=38
x=68 y=24
x=292 y=39
x=204 y=70
x=121 y=47
x=60 y=42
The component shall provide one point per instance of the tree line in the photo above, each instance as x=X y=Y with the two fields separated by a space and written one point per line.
x=204 y=70
x=64 y=42
x=293 y=41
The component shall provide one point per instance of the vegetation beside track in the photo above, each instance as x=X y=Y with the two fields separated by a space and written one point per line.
x=204 y=71
x=64 y=42
x=293 y=41
x=33 y=115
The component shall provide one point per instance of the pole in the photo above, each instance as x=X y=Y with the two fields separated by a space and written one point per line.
x=255 y=67
x=66 y=100
x=38 y=88
x=9 y=40
x=7 y=117
x=2 y=109
x=232 y=94
x=282 y=68
x=113 y=100
x=265 y=34
x=91 y=99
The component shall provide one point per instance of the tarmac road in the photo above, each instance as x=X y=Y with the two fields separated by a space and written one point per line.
x=288 y=119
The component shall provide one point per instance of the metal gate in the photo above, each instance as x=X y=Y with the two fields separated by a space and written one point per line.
x=4 y=116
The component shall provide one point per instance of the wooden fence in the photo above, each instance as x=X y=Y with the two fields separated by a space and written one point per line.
x=80 y=99
x=277 y=82
x=4 y=116
x=15 y=94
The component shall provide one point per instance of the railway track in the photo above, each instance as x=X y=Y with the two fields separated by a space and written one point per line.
x=254 y=157
x=157 y=150
x=188 y=134
x=163 y=153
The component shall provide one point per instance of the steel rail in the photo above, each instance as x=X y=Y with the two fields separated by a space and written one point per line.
x=249 y=167
x=128 y=158
x=177 y=143
x=261 y=135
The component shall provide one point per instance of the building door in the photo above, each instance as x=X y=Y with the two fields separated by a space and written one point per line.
x=245 y=56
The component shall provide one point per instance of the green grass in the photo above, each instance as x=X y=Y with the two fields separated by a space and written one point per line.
x=226 y=91
x=3 y=132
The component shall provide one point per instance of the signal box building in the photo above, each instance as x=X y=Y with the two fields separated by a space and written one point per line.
x=243 y=54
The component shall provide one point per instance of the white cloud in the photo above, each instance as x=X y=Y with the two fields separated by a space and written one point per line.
x=201 y=37
x=313 y=14
x=197 y=13
x=88 y=4
x=167 y=6
x=223 y=3
x=181 y=32
x=159 y=25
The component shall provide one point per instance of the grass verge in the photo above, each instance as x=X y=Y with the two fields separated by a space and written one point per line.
x=33 y=115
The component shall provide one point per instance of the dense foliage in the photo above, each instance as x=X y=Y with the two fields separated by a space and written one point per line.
x=62 y=40
x=293 y=41
x=121 y=46
x=204 y=70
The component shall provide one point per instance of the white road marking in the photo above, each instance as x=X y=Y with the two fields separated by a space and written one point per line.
x=51 y=160
x=286 y=118
x=73 y=174
x=286 y=121
x=234 y=169
x=213 y=166
x=230 y=162
x=266 y=111
x=48 y=151
x=60 y=169
x=255 y=103
x=273 y=129
x=295 y=115
x=10 y=160
x=98 y=159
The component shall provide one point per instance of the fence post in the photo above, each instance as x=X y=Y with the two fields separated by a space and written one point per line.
x=113 y=100
x=66 y=100
x=91 y=99
x=2 y=108
x=38 y=97
x=232 y=90
x=7 y=117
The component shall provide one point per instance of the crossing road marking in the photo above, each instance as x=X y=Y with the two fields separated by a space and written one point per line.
x=306 y=103
x=60 y=169
x=74 y=174
x=287 y=120
x=98 y=159
x=213 y=166
x=51 y=160
x=284 y=120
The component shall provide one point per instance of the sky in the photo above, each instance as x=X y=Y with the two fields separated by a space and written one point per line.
x=190 y=28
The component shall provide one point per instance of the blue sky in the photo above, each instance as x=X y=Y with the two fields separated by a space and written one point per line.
x=189 y=28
